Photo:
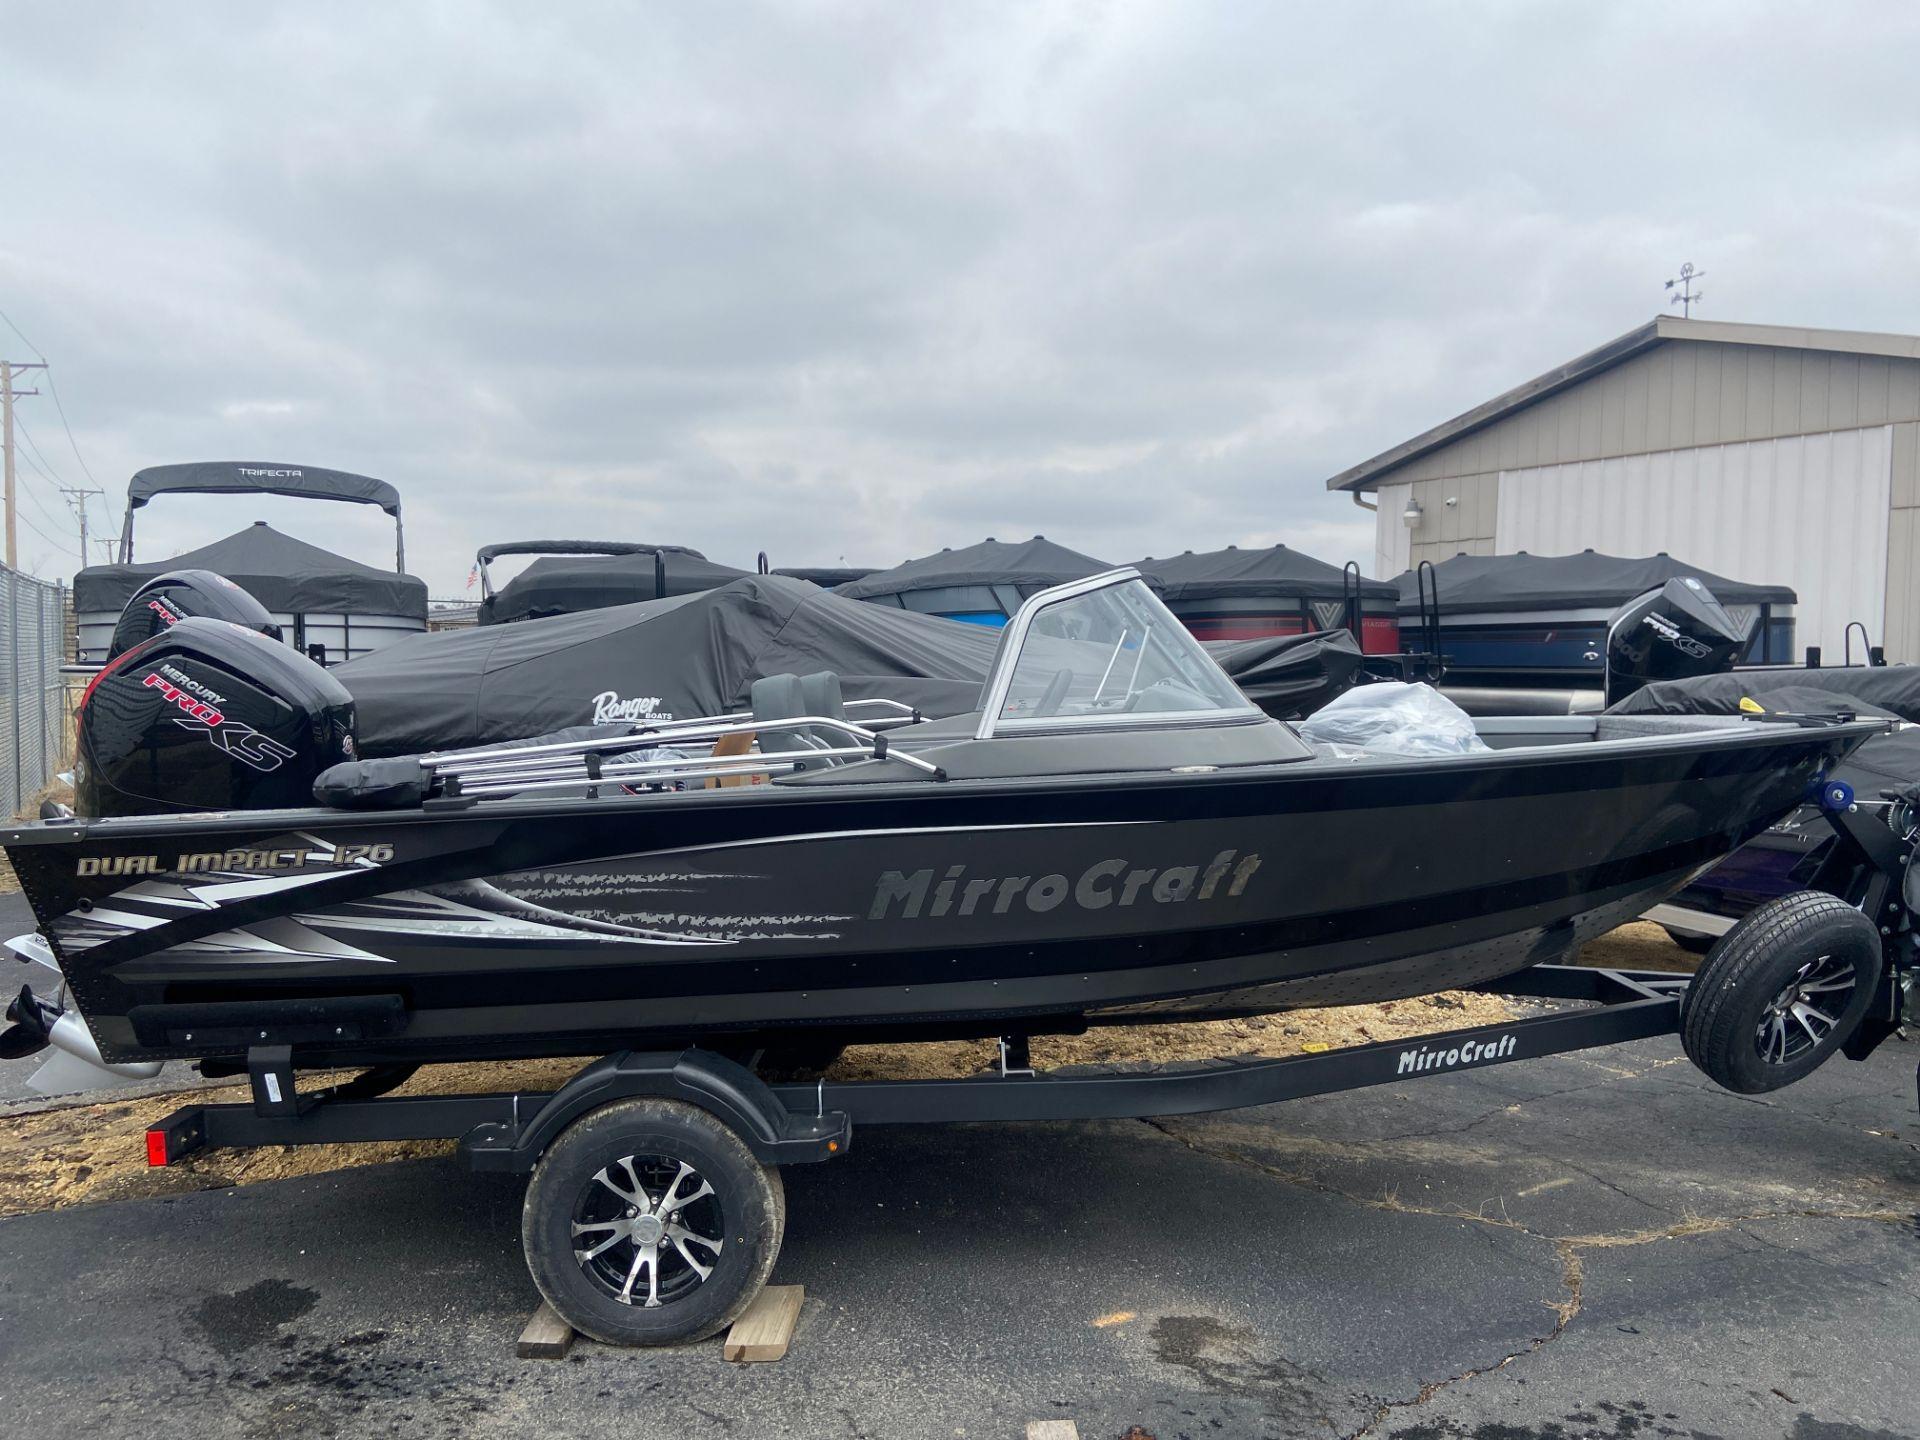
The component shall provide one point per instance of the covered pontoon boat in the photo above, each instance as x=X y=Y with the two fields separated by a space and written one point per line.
x=1535 y=626
x=319 y=599
x=1236 y=594
x=577 y=575
x=325 y=604
x=980 y=584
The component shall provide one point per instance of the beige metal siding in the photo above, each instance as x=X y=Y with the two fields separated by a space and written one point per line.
x=1444 y=530
x=1809 y=511
x=1902 y=622
x=1684 y=394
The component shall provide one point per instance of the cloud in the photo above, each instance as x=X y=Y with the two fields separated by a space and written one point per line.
x=862 y=279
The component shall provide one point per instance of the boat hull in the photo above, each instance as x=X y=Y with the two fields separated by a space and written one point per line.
x=880 y=911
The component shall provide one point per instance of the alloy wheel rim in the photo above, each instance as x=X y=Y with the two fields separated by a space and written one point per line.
x=1806 y=1011
x=648 y=1230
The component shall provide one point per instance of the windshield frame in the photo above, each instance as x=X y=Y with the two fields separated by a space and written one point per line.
x=1013 y=640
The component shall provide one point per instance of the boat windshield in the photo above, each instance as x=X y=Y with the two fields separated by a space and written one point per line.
x=1103 y=650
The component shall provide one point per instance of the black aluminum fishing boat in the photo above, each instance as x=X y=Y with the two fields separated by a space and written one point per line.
x=1117 y=834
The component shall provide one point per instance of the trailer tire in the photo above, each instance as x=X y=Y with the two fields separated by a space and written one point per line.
x=1781 y=991
x=651 y=1177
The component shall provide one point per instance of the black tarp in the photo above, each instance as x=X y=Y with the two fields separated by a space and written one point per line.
x=308 y=482
x=1035 y=563
x=687 y=656
x=1485 y=584
x=570 y=584
x=698 y=655
x=1233 y=573
x=1892 y=689
x=826 y=575
x=282 y=573
x=1290 y=676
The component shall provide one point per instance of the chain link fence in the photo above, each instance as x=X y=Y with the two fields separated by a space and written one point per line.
x=34 y=722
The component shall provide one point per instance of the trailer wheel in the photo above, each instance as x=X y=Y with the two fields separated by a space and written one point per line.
x=650 y=1222
x=1781 y=991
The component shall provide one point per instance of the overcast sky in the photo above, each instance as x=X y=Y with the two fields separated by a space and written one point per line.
x=858 y=281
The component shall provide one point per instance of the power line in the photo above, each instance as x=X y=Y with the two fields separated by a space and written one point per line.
x=34 y=495
x=27 y=490
x=9 y=369
x=54 y=390
x=45 y=467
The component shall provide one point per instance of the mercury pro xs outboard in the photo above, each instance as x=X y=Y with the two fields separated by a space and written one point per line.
x=166 y=600
x=1672 y=633
x=206 y=715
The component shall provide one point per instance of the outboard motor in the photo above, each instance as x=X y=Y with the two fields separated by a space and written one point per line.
x=166 y=600
x=208 y=715
x=1671 y=633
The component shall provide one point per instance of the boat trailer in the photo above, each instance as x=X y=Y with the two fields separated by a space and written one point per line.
x=788 y=1122
x=662 y=1167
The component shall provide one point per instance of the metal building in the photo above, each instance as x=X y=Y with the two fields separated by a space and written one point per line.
x=1768 y=453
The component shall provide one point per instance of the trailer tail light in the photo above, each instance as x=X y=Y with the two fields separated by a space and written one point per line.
x=157 y=1148
x=1379 y=635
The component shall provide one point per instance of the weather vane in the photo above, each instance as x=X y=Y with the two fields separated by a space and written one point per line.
x=1688 y=296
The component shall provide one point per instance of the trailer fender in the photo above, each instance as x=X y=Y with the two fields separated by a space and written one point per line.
x=729 y=1091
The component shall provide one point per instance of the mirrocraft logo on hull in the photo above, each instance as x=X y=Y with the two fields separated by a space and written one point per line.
x=912 y=895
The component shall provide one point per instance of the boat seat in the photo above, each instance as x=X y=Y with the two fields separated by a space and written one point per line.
x=788 y=697
x=821 y=693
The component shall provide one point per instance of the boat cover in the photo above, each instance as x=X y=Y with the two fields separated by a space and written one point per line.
x=1289 y=676
x=284 y=574
x=569 y=584
x=698 y=655
x=1036 y=563
x=1483 y=584
x=1885 y=689
x=1232 y=572
x=827 y=575
x=254 y=477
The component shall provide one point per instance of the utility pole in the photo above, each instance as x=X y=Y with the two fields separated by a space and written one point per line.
x=9 y=369
x=77 y=502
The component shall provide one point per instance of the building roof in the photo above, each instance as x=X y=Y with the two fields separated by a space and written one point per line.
x=1369 y=474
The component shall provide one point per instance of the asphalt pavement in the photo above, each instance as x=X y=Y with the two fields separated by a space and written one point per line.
x=1589 y=1245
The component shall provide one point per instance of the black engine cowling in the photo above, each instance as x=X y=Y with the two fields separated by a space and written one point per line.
x=208 y=715
x=166 y=600
x=1671 y=633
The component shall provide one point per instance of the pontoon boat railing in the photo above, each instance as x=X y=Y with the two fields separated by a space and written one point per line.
x=572 y=764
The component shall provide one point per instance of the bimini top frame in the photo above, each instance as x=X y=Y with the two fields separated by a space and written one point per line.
x=244 y=477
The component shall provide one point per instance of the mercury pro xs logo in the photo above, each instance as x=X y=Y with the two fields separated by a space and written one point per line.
x=1420 y=1060
x=201 y=707
x=1102 y=884
x=1672 y=634
x=167 y=617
